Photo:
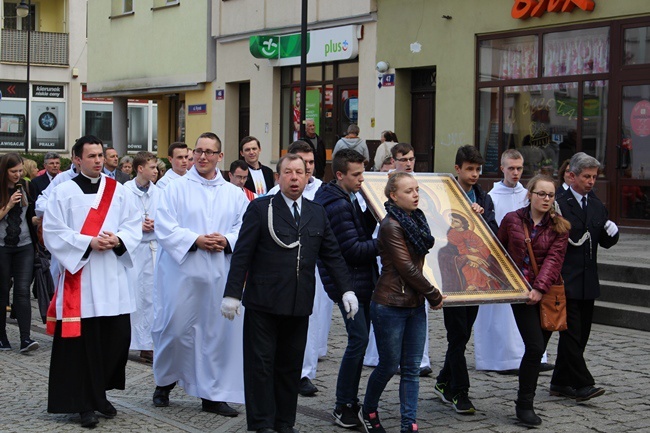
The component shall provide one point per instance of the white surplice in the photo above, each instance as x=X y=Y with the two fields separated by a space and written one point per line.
x=142 y=272
x=497 y=342
x=194 y=344
x=105 y=290
x=169 y=176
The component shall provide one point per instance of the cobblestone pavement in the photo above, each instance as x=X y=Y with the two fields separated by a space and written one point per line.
x=618 y=359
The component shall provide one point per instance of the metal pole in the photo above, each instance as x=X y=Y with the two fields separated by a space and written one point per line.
x=303 y=68
x=29 y=47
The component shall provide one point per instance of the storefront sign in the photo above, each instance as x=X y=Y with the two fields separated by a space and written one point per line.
x=12 y=89
x=197 y=109
x=523 y=9
x=640 y=118
x=41 y=91
x=326 y=45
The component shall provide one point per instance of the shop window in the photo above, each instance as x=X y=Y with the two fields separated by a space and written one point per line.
x=348 y=70
x=488 y=135
x=576 y=52
x=637 y=46
x=508 y=58
x=314 y=73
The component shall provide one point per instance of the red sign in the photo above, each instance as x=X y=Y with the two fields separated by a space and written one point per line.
x=640 y=118
x=523 y=9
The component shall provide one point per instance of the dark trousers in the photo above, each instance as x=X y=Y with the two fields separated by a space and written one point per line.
x=458 y=322
x=535 y=341
x=274 y=347
x=347 y=384
x=16 y=263
x=83 y=368
x=570 y=366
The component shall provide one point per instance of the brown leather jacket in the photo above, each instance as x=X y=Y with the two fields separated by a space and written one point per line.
x=401 y=283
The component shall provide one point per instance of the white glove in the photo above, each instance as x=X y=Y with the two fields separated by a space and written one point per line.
x=351 y=304
x=230 y=307
x=611 y=228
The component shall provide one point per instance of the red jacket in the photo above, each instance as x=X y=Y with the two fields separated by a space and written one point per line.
x=549 y=246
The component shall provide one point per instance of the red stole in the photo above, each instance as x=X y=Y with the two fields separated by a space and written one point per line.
x=250 y=195
x=71 y=318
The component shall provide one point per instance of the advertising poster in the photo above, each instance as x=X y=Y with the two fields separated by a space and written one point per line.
x=12 y=125
x=312 y=110
x=48 y=125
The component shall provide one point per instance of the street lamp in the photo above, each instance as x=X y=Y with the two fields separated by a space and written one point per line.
x=22 y=10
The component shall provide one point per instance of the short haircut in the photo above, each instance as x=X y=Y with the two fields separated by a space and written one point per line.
x=289 y=157
x=343 y=158
x=401 y=148
x=78 y=147
x=511 y=154
x=248 y=139
x=238 y=163
x=387 y=161
x=469 y=154
x=353 y=129
x=581 y=161
x=51 y=155
x=107 y=148
x=300 y=146
x=211 y=136
x=126 y=159
x=175 y=145
x=141 y=158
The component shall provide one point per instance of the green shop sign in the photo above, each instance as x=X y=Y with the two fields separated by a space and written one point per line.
x=327 y=45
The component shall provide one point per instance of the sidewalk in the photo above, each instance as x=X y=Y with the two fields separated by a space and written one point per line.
x=618 y=359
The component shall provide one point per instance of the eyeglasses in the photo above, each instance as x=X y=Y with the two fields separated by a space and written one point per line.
x=543 y=195
x=208 y=153
x=411 y=159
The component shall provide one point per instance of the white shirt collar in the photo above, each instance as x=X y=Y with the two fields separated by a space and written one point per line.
x=576 y=195
x=290 y=202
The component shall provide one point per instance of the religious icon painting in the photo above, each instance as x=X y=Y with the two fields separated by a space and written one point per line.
x=467 y=262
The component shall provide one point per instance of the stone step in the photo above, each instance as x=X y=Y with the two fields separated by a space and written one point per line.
x=624 y=271
x=624 y=316
x=625 y=293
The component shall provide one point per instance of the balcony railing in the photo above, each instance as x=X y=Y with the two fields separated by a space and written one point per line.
x=46 y=48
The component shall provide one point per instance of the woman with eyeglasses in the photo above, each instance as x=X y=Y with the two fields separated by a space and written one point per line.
x=17 y=241
x=549 y=236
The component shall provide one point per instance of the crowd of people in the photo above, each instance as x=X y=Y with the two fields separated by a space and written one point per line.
x=142 y=260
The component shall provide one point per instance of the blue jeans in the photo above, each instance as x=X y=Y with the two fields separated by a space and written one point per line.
x=347 y=384
x=400 y=334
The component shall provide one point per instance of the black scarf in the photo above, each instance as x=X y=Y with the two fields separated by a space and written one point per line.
x=415 y=227
x=14 y=218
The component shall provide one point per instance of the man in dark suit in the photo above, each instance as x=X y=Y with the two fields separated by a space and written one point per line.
x=589 y=229
x=52 y=163
x=275 y=256
x=111 y=162
x=260 y=177
x=316 y=142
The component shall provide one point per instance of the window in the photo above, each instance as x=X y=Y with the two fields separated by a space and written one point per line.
x=121 y=7
x=544 y=94
x=13 y=22
x=161 y=4
x=637 y=46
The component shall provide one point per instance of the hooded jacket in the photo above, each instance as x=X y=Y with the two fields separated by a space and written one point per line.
x=355 y=143
x=354 y=235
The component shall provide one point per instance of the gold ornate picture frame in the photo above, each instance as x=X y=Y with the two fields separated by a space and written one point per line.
x=467 y=262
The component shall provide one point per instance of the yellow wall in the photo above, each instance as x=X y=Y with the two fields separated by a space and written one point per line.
x=450 y=45
x=196 y=124
x=51 y=15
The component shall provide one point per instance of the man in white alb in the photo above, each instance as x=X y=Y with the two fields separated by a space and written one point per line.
x=177 y=155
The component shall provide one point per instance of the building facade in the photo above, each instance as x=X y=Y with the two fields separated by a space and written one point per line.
x=549 y=78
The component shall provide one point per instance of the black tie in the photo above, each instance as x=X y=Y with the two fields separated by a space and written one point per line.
x=296 y=215
x=584 y=203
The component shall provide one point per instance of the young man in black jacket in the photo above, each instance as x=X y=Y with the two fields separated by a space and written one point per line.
x=452 y=384
x=353 y=231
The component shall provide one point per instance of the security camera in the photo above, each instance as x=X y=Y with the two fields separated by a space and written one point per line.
x=382 y=66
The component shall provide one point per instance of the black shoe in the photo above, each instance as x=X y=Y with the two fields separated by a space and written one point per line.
x=441 y=389
x=371 y=423
x=109 y=410
x=511 y=372
x=587 y=393
x=218 y=407
x=346 y=415
x=161 y=395
x=307 y=389
x=462 y=404
x=4 y=344
x=89 y=419
x=546 y=366
x=286 y=429
x=425 y=371
x=528 y=417
x=265 y=430
x=27 y=345
x=562 y=391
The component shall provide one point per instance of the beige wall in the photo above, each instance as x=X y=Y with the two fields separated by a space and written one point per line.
x=450 y=45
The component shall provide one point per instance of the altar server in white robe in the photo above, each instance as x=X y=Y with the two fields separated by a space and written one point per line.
x=497 y=343
x=91 y=227
x=145 y=196
x=321 y=316
x=197 y=225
